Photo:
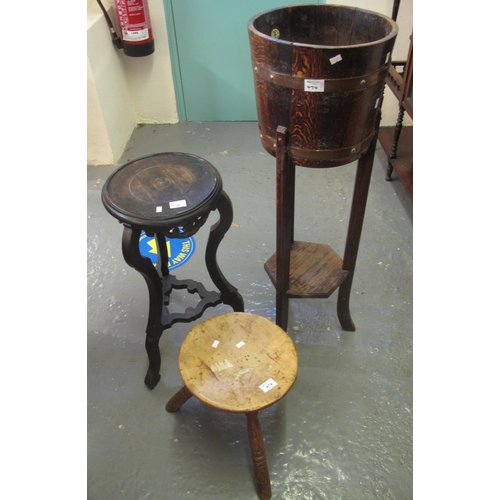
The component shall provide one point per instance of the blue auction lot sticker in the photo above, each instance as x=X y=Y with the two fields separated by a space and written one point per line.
x=179 y=250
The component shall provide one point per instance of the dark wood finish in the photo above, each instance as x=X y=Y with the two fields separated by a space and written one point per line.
x=359 y=198
x=395 y=9
x=228 y=293
x=280 y=266
x=315 y=270
x=400 y=81
x=329 y=122
x=285 y=203
x=407 y=100
x=328 y=128
x=238 y=363
x=139 y=195
x=402 y=163
x=140 y=192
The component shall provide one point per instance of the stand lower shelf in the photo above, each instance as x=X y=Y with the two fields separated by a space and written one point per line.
x=315 y=270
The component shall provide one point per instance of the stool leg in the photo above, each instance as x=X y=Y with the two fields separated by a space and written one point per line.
x=154 y=329
x=258 y=456
x=360 y=195
x=229 y=294
x=177 y=400
x=285 y=207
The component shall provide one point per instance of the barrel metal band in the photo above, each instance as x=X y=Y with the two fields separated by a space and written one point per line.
x=321 y=154
x=331 y=85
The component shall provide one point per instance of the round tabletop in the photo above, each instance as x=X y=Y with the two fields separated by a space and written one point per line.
x=161 y=189
x=238 y=362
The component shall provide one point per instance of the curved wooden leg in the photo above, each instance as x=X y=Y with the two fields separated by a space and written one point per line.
x=258 y=456
x=162 y=267
x=229 y=294
x=359 y=198
x=177 y=400
x=154 y=329
x=153 y=351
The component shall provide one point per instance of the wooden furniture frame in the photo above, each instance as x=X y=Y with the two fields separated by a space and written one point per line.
x=319 y=74
x=397 y=142
x=238 y=363
x=163 y=179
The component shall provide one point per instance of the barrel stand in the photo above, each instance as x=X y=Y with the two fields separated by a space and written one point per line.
x=310 y=270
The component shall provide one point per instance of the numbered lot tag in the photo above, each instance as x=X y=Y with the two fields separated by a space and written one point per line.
x=178 y=204
x=335 y=59
x=268 y=385
x=314 y=85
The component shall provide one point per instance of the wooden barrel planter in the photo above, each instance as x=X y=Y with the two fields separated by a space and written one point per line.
x=319 y=71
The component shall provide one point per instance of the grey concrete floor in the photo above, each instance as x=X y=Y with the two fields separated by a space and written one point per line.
x=344 y=431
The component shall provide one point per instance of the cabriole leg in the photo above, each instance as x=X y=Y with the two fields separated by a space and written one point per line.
x=154 y=329
x=229 y=294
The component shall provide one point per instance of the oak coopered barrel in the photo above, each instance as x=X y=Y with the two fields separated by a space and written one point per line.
x=319 y=71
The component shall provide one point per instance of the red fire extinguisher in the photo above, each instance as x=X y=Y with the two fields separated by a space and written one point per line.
x=135 y=27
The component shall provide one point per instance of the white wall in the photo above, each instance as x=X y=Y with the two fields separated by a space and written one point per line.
x=390 y=106
x=125 y=91
x=111 y=116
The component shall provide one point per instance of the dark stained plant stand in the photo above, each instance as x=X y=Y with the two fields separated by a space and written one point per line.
x=170 y=195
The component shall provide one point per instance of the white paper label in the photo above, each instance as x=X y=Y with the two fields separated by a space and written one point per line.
x=314 y=85
x=135 y=36
x=335 y=59
x=177 y=204
x=240 y=344
x=215 y=344
x=268 y=385
x=159 y=209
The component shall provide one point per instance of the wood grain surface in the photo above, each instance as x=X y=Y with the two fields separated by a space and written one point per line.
x=238 y=362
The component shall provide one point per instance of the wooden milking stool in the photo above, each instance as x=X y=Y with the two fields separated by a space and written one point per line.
x=238 y=363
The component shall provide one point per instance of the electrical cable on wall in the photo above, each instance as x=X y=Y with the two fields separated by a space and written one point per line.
x=117 y=42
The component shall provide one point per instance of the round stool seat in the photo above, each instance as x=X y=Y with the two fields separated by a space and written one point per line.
x=162 y=190
x=238 y=362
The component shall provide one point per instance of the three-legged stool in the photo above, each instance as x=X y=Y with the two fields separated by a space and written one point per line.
x=239 y=363
x=170 y=195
